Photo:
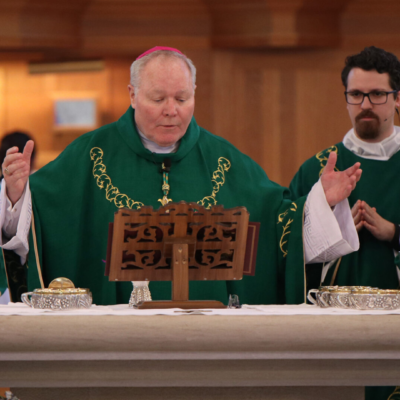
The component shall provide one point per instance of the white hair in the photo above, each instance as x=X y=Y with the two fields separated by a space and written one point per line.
x=138 y=65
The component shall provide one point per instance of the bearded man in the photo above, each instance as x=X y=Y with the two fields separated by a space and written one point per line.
x=372 y=82
x=122 y=165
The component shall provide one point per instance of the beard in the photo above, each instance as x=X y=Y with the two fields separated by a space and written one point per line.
x=367 y=129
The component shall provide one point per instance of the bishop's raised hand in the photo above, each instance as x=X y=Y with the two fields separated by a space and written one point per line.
x=16 y=169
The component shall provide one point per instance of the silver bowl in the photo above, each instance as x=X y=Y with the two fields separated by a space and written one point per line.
x=61 y=295
x=355 y=297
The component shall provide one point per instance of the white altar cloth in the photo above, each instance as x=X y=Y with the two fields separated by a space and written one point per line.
x=246 y=310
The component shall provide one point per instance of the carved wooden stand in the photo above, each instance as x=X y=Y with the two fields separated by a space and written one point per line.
x=179 y=242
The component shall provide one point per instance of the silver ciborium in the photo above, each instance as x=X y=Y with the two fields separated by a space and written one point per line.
x=61 y=295
x=355 y=297
x=321 y=297
x=376 y=299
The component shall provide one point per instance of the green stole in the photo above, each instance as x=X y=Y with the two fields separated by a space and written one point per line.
x=75 y=197
x=374 y=263
x=3 y=275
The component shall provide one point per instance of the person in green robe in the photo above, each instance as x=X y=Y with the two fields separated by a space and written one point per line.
x=372 y=82
x=74 y=198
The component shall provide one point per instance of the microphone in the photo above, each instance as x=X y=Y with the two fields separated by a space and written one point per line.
x=166 y=165
x=397 y=110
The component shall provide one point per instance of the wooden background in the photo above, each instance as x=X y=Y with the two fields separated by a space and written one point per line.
x=268 y=70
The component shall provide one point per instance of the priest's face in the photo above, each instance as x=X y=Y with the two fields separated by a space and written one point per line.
x=371 y=122
x=164 y=103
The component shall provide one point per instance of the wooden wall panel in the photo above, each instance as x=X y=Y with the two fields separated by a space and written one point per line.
x=247 y=110
x=271 y=141
x=371 y=22
x=125 y=26
x=280 y=107
x=28 y=103
x=224 y=95
x=117 y=27
x=287 y=126
x=2 y=98
x=117 y=80
x=321 y=114
x=205 y=101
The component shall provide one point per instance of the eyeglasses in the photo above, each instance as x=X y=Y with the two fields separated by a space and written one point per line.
x=376 y=97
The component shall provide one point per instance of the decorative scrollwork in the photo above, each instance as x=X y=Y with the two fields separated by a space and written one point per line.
x=282 y=242
x=104 y=182
x=281 y=217
x=218 y=180
x=214 y=237
x=323 y=156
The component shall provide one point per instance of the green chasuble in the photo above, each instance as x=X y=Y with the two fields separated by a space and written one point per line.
x=75 y=197
x=374 y=263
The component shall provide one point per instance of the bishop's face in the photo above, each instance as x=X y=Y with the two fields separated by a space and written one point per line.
x=371 y=122
x=164 y=103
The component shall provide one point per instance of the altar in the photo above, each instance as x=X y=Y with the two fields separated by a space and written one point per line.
x=273 y=352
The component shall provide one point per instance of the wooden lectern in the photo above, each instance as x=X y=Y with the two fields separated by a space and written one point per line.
x=179 y=242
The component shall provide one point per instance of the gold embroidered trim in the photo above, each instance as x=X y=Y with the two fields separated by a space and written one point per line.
x=104 y=182
x=293 y=207
x=218 y=179
x=122 y=200
x=281 y=217
x=323 y=156
x=39 y=268
x=285 y=232
x=396 y=394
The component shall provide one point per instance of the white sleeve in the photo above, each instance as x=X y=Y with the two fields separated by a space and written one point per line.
x=15 y=222
x=5 y=297
x=327 y=234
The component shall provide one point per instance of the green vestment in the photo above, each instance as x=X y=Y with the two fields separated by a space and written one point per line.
x=74 y=199
x=374 y=263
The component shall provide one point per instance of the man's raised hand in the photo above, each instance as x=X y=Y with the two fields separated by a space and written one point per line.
x=339 y=184
x=16 y=169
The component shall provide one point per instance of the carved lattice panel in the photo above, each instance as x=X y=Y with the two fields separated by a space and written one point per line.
x=216 y=238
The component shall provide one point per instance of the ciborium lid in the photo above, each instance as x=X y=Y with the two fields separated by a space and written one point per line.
x=60 y=286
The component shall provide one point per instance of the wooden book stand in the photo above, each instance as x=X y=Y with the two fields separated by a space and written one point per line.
x=179 y=242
